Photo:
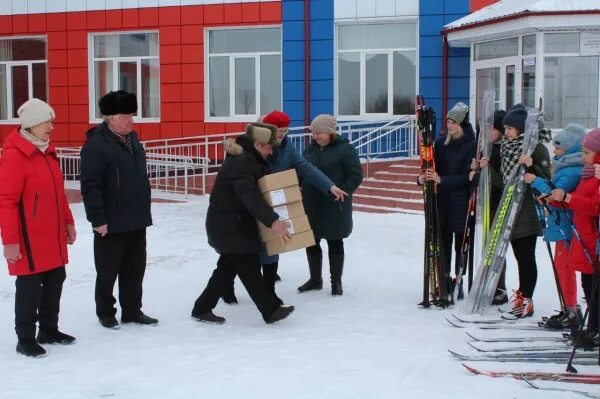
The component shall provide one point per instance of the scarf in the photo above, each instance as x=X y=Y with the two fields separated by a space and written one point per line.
x=40 y=144
x=510 y=151
x=564 y=161
x=126 y=140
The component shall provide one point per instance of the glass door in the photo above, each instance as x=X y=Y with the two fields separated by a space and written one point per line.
x=486 y=79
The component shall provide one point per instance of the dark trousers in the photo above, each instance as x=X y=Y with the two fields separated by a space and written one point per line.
x=121 y=255
x=247 y=267
x=524 y=251
x=335 y=247
x=37 y=298
x=587 y=282
x=447 y=239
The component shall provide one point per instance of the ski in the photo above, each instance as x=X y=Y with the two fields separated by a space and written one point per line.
x=566 y=390
x=494 y=326
x=476 y=345
x=478 y=321
x=528 y=357
x=517 y=339
x=538 y=375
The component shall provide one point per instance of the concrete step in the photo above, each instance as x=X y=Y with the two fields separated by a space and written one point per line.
x=388 y=202
x=391 y=184
x=382 y=209
x=390 y=192
x=403 y=177
x=405 y=169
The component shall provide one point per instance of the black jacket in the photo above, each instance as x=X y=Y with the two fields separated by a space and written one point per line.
x=114 y=183
x=453 y=164
x=236 y=203
x=339 y=161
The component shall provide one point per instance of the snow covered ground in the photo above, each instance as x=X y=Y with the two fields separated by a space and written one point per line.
x=373 y=342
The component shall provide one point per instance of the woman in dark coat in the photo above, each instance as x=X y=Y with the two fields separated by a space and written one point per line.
x=329 y=219
x=453 y=153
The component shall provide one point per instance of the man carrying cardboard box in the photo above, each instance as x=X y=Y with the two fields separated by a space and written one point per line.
x=235 y=205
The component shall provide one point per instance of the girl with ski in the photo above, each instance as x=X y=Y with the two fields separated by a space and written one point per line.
x=566 y=173
x=585 y=203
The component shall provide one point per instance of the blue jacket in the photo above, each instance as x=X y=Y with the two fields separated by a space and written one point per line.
x=285 y=157
x=566 y=176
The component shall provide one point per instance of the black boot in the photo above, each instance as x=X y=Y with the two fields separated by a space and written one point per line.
x=315 y=265
x=279 y=314
x=336 y=267
x=229 y=295
x=30 y=347
x=140 y=318
x=270 y=277
x=54 y=336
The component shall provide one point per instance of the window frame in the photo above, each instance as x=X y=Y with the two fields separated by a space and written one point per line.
x=363 y=115
x=115 y=61
x=29 y=64
x=233 y=117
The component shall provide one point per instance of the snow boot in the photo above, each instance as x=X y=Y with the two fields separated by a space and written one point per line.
x=500 y=297
x=54 y=336
x=229 y=295
x=140 y=318
x=336 y=268
x=568 y=319
x=315 y=265
x=30 y=347
x=270 y=277
x=209 y=317
x=279 y=314
x=109 y=322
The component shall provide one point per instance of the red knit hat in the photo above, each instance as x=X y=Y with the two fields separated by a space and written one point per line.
x=591 y=141
x=277 y=118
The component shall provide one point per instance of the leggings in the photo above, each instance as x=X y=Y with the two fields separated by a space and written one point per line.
x=524 y=251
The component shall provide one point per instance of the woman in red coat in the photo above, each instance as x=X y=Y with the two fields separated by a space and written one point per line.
x=36 y=225
x=585 y=203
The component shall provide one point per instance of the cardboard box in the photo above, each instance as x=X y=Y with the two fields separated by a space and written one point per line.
x=290 y=210
x=297 y=225
x=278 y=180
x=300 y=240
x=283 y=196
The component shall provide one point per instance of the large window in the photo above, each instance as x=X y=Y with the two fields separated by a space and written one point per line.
x=244 y=73
x=23 y=74
x=127 y=62
x=376 y=69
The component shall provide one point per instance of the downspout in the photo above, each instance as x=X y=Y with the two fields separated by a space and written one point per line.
x=444 y=75
x=306 y=66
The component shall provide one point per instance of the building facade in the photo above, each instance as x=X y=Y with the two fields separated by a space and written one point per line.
x=203 y=67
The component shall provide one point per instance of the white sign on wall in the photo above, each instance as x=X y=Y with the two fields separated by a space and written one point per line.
x=590 y=43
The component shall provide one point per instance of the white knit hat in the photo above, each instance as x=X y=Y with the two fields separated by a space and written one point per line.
x=324 y=123
x=34 y=112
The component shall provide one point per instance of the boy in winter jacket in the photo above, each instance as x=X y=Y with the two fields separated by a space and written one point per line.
x=566 y=173
x=585 y=202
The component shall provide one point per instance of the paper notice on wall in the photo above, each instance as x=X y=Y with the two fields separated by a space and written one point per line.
x=528 y=62
x=282 y=212
x=277 y=197
x=589 y=43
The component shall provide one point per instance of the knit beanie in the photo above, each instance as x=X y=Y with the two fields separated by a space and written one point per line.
x=498 y=116
x=277 y=118
x=569 y=136
x=591 y=141
x=324 y=123
x=515 y=117
x=458 y=113
x=33 y=112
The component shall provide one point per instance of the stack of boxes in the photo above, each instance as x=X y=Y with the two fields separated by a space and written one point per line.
x=282 y=193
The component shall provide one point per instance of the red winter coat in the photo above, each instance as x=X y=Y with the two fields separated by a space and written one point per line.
x=39 y=224
x=585 y=203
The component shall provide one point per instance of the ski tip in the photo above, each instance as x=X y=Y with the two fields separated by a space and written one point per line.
x=531 y=384
x=471 y=336
x=452 y=323
x=471 y=369
x=456 y=354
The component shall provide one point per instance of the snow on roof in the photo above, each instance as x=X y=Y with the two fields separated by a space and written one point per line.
x=513 y=7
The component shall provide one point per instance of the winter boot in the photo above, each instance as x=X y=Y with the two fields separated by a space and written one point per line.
x=54 y=336
x=30 y=347
x=109 y=322
x=270 y=277
x=140 y=318
x=500 y=297
x=209 y=317
x=336 y=267
x=523 y=307
x=564 y=320
x=279 y=314
x=229 y=296
x=315 y=265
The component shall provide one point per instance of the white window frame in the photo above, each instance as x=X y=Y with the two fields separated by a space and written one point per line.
x=115 y=62
x=363 y=115
x=9 y=83
x=233 y=117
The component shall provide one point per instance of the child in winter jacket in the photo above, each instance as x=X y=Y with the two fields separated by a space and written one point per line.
x=585 y=202
x=566 y=173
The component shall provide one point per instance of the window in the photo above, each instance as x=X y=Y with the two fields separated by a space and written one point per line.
x=126 y=62
x=23 y=74
x=376 y=69
x=244 y=72
x=497 y=49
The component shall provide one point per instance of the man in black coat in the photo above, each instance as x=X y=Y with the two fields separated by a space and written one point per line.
x=235 y=205
x=116 y=196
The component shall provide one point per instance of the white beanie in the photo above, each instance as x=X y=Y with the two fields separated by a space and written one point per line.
x=34 y=112
x=324 y=123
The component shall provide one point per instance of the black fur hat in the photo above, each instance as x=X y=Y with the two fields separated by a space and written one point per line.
x=118 y=102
